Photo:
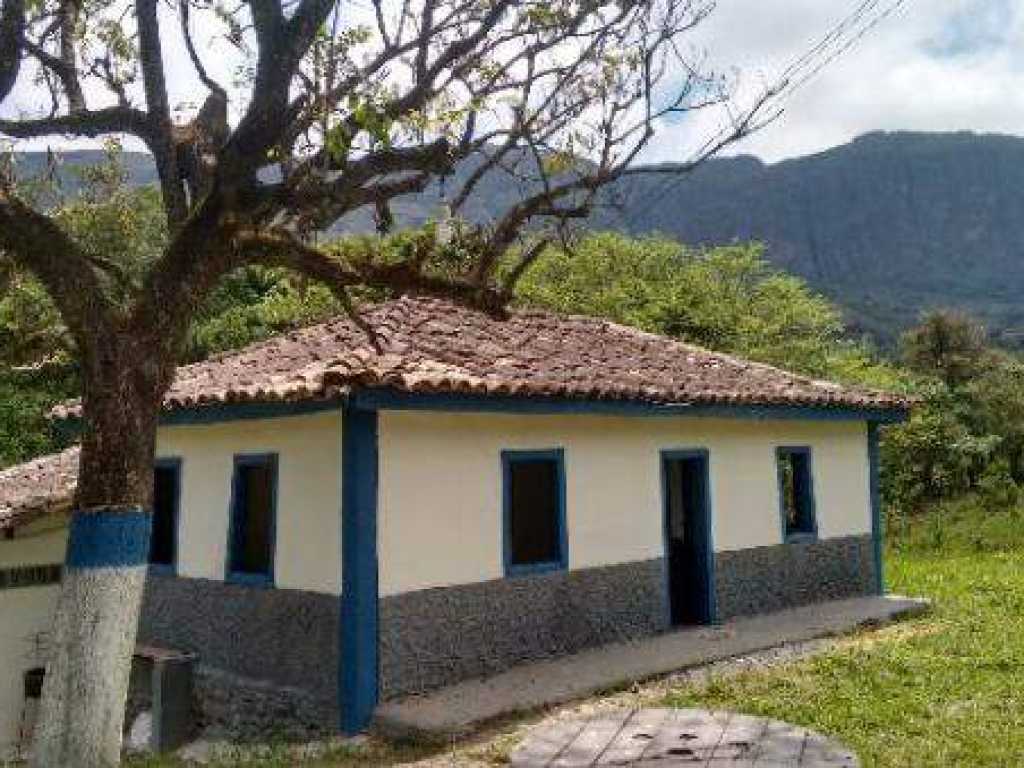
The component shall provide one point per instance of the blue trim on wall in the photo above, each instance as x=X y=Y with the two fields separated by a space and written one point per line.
x=173 y=463
x=384 y=398
x=358 y=674
x=812 y=511
x=390 y=399
x=875 y=490
x=508 y=458
x=704 y=457
x=216 y=413
x=244 y=577
x=219 y=412
x=109 y=538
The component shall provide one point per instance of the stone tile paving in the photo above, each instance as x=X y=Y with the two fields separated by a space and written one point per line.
x=664 y=738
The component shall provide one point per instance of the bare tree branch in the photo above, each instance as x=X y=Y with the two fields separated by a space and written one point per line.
x=33 y=241
x=89 y=123
x=68 y=72
x=161 y=142
x=12 y=28
x=197 y=62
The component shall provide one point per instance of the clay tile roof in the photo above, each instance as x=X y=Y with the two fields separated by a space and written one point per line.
x=432 y=346
x=38 y=488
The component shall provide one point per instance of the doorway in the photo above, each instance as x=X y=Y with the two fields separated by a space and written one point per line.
x=688 y=547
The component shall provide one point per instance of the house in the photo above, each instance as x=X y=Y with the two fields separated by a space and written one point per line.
x=337 y=524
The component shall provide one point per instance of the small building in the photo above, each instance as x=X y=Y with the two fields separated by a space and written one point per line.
x=340 y=520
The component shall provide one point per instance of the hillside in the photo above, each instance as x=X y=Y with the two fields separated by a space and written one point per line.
x=886 y=225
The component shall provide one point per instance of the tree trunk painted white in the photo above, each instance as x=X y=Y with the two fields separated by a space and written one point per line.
x=86 y=686
x=81 y=716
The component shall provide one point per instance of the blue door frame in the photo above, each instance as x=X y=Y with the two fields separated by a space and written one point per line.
x=704 y=548
x=358 y=634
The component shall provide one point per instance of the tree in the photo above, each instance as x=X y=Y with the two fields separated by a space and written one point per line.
x=332 y=111
x=997 y=408
x=727 y=298
x=948 y=345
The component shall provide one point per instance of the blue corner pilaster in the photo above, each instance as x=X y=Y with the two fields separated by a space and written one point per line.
x=358 y=657
x=109 y=538
x=877 y=533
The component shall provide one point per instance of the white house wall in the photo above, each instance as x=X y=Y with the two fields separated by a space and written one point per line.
x=26 y=614
x=440 y=490
x=308 y=545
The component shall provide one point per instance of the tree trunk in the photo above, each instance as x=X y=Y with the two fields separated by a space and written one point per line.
x=82 y=714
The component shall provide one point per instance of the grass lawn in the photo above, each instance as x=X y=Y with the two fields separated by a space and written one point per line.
x=946 y=689
x=943 y=690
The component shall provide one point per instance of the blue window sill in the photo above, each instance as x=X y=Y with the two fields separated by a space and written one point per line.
x=513 y=571
x=801 y=537
x=256 y=580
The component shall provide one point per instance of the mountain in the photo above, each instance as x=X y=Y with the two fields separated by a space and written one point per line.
x=887 y=225
x=32 y=165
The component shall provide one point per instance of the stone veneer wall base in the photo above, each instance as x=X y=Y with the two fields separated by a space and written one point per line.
x=766 y=579
x=435 y=637
x=267 y=658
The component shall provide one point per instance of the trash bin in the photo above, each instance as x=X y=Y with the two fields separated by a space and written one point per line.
x=166 y=676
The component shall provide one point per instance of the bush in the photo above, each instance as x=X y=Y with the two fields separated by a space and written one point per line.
x=997 y=488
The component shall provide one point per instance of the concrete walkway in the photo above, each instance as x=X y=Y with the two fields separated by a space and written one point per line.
x=454 y=711
x=678 y=737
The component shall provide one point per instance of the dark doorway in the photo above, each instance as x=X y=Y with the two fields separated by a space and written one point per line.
x=688 y=537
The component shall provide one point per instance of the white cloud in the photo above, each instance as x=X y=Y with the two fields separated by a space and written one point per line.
x=931 y=66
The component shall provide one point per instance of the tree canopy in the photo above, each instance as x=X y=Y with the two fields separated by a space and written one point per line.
x=727 y=298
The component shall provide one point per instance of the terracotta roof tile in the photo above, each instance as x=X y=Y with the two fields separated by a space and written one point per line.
x=42 y=486
x=433 y=346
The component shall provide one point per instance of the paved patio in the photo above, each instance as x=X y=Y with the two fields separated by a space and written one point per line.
x=678 y=737
x=456 y=710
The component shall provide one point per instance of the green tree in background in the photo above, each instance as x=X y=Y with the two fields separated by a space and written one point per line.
x=728 y=298
x=947 y=344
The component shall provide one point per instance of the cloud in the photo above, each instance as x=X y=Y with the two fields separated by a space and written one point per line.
x=905 y=74
x=982 y=26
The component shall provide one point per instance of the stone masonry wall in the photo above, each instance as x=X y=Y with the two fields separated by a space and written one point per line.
x=268 y=658
x=765 y=579
x=434 y=637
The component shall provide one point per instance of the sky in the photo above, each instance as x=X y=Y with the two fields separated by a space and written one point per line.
x=933 y=65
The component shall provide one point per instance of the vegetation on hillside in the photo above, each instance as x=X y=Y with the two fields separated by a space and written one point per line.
x=728 y=299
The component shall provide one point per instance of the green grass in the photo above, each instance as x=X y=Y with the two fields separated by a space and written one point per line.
x=943 y=690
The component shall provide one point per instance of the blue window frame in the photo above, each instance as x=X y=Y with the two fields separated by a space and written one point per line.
x=534 y=532
x=163 y=542
x=796 y=493
x=253 y=528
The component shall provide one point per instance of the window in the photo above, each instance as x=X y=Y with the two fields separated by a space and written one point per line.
x=796 y=493
x=253 y=507
x=163 y=544
x=534 y=490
